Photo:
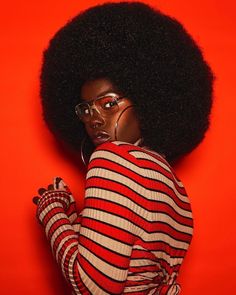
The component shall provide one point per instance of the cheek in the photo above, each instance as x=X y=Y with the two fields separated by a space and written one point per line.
x=128 y=127
x=110 y=124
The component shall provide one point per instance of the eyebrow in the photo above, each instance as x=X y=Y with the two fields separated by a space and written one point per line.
x=107 y=91
x=110 y=90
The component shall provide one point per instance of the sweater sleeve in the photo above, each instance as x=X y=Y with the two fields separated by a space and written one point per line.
x=96 y=259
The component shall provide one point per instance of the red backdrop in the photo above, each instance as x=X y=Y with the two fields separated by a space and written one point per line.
x=30 y=158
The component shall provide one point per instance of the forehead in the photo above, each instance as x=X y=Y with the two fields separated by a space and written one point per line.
x=94 y=88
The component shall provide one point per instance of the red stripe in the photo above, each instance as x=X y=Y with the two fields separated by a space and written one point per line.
x=116 y=231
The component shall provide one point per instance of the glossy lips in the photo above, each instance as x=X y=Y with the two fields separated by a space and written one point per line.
x=100 y=137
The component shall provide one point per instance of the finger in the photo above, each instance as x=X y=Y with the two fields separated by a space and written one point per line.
x=36 y=200
x=50 y=187
x=59 y=183
x=41 y=190
x=56 y=182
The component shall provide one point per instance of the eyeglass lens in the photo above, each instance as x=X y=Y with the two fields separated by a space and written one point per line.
x=106 y=106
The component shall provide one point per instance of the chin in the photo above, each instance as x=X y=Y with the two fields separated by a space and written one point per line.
x=99 y=141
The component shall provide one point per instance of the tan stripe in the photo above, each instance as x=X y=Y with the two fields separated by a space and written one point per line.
x=141 y=262
x=143 y=155
x=174 y=290
x=117 y=177
x=62 y=242
x=76 y=227
x=162 y=217
x=124 y=224
x=71 y=272
x=139 y=288
x=152 y=174
x=64 y=256
x=143 y=147
x=144 y=275
x=59 y=231
x=138 y=170
x=52 y=220
x=160 y=255
x=119 y=199
x=90 y=284
x=49 y=208
x=138 y=247
x=104 y=267
x=137 y=278
x=73 y=217
x=149 y=216
x=153 y=291
x=107 y=242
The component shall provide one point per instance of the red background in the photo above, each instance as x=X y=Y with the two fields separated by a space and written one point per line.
x=30 y=157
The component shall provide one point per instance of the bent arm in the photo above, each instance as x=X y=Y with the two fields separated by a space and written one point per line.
x=95 y=260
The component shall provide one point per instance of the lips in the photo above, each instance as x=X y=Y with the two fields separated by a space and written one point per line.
x=100 y=137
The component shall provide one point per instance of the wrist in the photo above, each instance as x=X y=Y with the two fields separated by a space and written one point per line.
x=50 y=197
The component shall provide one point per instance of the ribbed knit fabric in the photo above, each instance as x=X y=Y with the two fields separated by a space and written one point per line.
x=134 y=230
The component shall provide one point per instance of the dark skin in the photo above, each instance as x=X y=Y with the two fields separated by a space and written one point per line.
x=127 y=129
x=58 y=184
x=122 y=126
x=42 y=190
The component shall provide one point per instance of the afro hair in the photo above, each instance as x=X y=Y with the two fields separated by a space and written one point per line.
x=150 y=58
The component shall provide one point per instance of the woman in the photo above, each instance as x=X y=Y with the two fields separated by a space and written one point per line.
x=131 y=83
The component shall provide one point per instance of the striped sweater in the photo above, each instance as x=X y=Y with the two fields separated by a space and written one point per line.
x=135 y=228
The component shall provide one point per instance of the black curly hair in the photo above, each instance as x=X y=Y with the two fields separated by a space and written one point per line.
x=149 y=56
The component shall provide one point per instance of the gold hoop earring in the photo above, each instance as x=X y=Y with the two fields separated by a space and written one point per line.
x=86 y=150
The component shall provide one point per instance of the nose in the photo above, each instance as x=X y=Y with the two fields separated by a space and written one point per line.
x=96 y=119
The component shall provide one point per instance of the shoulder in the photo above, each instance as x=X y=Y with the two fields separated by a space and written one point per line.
x=117 y=146
x=111 y=161
x=114 y=151
x=124 y=153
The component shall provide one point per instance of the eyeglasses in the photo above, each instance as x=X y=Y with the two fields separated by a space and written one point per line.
x=105 y=105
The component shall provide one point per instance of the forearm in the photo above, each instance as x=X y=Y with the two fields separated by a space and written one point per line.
x=76 y=223
x=87 y=260
x=63 y=240
x=91 y=252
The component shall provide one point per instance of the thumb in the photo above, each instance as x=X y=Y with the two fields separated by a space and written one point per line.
x=59 y=184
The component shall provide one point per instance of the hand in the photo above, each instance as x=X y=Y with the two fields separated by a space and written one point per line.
x=59 y=184
x=58 y=191
x=40 y=192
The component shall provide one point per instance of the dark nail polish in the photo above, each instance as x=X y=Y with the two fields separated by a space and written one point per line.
x=35 y=200
x=50 y=187
x=41 y=191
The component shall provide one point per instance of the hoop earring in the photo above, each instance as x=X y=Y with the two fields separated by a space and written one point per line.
x=85 y=151
x=82 y=150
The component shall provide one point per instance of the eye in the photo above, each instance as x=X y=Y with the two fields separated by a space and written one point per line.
x=108 y=102
x=86 y=111
x=83 y=110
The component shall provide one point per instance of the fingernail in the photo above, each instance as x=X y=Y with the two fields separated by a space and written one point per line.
x=35 y=200
x=50 y=187
x=58 y=179
x=41 y=190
